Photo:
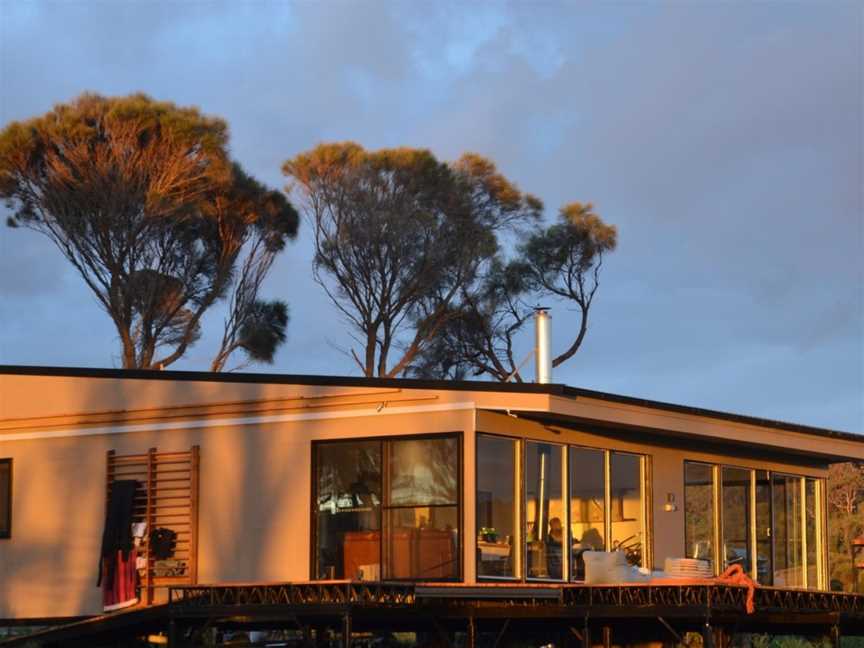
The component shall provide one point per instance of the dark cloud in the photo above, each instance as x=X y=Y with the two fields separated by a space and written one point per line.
x=723 y=140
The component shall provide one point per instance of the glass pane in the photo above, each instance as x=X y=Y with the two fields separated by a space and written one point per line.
x=496 y=506
x=422 y=543
x=544 y=511
x=764 y=561
x=736 y=517
x=788 y=555
x=423 y=472
x=699 y=511
x=587 y=510
x=626 y=503
x=349 y=509
x=810 y=528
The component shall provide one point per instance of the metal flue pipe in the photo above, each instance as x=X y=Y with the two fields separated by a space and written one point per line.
x=542 y=344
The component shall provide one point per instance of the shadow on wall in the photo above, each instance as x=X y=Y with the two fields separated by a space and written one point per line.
x=253 y=490
x=52 y=564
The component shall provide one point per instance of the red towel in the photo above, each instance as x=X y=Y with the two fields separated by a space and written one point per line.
x=121 y=591
x=735 y=575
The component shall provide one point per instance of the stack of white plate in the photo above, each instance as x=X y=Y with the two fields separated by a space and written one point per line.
x=688 y=568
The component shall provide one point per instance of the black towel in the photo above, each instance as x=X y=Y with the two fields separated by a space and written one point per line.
x=117 y=535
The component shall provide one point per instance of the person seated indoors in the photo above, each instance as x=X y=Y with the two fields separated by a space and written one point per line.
x=554 y=544
x=591 y=541
x=556 y=532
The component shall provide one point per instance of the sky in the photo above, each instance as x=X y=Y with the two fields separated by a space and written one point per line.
x=723 y=139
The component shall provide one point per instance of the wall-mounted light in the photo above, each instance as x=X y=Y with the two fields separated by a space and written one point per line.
x=670 y=505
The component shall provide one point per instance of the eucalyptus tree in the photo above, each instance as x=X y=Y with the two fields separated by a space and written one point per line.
x=561 y=262
x=400 y=237
x=142 y=199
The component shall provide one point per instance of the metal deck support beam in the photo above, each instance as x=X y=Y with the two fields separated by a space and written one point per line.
x=502 y=632
x=672 y=631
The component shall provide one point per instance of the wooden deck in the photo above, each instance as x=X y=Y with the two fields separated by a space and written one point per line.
x=484 y=615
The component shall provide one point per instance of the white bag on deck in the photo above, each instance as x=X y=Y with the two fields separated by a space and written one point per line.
x=606 y=567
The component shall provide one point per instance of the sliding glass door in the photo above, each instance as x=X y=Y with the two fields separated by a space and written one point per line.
x=788 y=532
x=770 y=524
x=699 y=511
x=736 y=516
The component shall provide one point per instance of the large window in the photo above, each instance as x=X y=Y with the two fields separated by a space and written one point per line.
x=764 y=524
x=769 y=523
x=699 y=511
x=587 y=506
x=788 y=532
x=387 y=509
x=626 y=504
x=569 y=499
x=497 y=512
x=544 y=510
x=735 y=508
x=421 y=509
x=5 y=498
x=348 y=511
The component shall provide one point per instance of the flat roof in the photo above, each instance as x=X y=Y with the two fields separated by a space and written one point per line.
x=554 y=389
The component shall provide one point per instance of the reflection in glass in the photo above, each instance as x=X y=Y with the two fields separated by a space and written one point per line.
x=421 y=515
x=736 y=512
x=788 y=554
x=348 y=484
x=626 y=505
x=810 y=529
x=587 y=510
x=423 y=471
x=422 y=543
x=699 y=511
x=496 y=506
x=764 y=561
x=544 y=511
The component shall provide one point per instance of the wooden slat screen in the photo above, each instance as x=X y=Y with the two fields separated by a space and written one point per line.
x=167 y=497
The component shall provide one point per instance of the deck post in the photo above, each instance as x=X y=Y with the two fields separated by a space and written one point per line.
x=346 y=630
x=173 y=640
x=586 y=634
x=834 y=636
x=707 y=635
x=607 y=636
x=318 y=638
x=472 y=633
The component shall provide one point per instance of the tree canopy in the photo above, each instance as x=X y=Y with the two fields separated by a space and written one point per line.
x=142 y=198
x=845 y=523
x=400 y=237
x=561 y=262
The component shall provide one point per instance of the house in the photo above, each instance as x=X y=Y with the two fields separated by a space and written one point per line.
x=269 y=478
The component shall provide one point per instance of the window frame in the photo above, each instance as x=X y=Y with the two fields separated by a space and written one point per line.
x=458 y=435
x=6 y=529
